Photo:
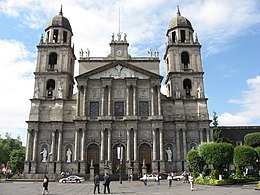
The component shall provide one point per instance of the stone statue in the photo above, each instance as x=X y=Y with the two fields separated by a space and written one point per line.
x=60 y=90
x=125 y=37
x=113 y=37
x=119 y=36
x=150 y=53
x=68 y=154
x=44 y=154
x=169 y=154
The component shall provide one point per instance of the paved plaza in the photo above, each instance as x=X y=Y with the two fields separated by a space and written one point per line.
x=127 y=188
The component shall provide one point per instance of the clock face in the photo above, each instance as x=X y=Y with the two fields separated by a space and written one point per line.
x=119 y=51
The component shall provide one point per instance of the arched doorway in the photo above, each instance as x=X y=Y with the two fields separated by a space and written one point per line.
x=93 y=154
x=116 y=160
x=145 y=154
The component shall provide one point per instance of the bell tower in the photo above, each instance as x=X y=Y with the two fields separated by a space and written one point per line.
x=55 y=61
x=183 y=61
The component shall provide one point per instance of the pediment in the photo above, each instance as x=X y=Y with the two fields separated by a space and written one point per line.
x=119 y=72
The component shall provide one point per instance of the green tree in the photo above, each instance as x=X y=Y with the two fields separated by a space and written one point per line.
x=219 y=155
x=216 y=130
x=195 y=161
x=252 y=139
x=257 y=149
x=7 y=145
x=244 y=156
x=16 y=161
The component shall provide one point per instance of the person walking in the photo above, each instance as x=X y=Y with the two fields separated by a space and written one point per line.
x=45 y=185
x=145 y=179
x=158 y=179
x=169 y=178
x=96 y=184
x=191 y=180
x=106 y=183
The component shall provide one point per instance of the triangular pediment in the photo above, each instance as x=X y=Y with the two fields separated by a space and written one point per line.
x=118 y=71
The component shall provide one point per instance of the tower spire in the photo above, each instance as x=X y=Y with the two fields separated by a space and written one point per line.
x=61 y=11
x=178 y=13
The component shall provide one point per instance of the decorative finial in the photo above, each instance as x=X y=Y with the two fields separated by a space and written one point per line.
x=196 y=38
x=178 y=13
x=61 y=11
x=41 y=40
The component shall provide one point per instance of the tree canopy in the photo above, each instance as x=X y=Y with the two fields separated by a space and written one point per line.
x=252 y=139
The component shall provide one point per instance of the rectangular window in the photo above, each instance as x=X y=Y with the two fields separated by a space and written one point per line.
x=94 y=109
x=65 y=36
x=182 y=36
x=143 y=108
x=55 y=36
x=119 y=109
x=173 y=36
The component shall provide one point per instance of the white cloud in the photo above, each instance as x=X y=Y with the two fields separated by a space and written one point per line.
x=250 y=105
x=16 y=86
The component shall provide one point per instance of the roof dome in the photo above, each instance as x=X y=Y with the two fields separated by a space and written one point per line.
x=180 y=21
x=59 y=21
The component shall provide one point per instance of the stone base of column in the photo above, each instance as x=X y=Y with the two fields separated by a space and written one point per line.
x=162 y=167
x=33 y=167
x=82 y=168
x=179 y=166
x=101 y=168
x=136 y=168
x=50 y=167
x=26 y=167
x=92 y=174
x=155 y=166
x=130 y=172
x=144 y=170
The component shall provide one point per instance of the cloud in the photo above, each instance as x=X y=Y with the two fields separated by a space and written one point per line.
x=16 y=86
x=250 y=104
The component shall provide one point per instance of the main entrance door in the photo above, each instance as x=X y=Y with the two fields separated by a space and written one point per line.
x=93 y=154
x=145 y=155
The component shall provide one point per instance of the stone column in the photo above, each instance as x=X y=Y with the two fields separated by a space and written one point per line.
x=102 y=145
x=184 y=143
x=159 y=100
x=208 y=135
x=28 y=145
x=109 y=145
x=201 y=135
x=76 y=145
x=84 y=101
x=135 y=144
x=59 y=146
x=102 y=101
x=152 y=101
x=154 y=144
x=109 y=100
x=52 y=146
x=83 y=144
x=134 y=100
x=35 y=144
x=178 y=144
x=161 y=145
x=78 y=102
x=127 y=101
x=128 y=146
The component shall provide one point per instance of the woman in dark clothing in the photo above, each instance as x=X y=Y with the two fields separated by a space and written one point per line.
x=45 y=185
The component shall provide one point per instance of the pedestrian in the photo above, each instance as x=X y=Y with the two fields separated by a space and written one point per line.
x=45 y=185
x=191 y=180
x=106 y=183
x=158 y=178
x=145 y=179
x=96 y=184
x=169 y=178
x=185 y=177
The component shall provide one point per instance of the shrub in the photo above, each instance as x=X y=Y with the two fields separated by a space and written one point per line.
x=252 y=139
x=207 y=171
x=214 y=174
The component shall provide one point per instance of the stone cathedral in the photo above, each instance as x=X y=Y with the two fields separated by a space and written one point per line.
x=118 y=118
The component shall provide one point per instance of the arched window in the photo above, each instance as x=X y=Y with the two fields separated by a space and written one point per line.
x=187 y=87
x=50 y=87
x=185 y=59
x=52 y=60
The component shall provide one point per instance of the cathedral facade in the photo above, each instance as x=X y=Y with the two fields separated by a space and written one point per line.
x=118 y=118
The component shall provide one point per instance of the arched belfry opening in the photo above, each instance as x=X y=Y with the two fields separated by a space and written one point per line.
x=50 y=88
x=187 y=87
x=52 y=60
x=185 y=60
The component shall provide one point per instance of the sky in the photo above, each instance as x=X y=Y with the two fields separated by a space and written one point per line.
x=228 y=30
